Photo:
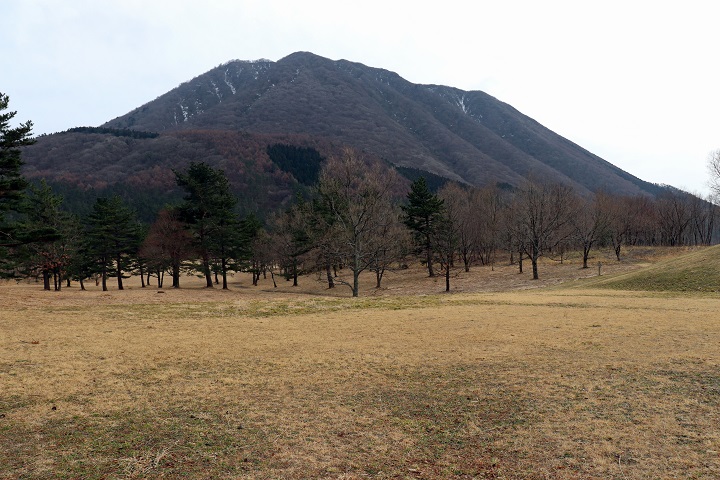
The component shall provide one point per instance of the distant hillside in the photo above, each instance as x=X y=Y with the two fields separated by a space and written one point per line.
x=86 y=162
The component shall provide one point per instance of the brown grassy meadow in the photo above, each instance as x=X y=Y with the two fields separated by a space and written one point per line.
x=500 y=379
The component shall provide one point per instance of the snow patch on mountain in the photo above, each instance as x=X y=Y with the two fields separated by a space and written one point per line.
x=461 y=104
x=216 y=90
x=228 y=82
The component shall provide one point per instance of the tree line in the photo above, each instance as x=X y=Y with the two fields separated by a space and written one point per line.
x=360 y=216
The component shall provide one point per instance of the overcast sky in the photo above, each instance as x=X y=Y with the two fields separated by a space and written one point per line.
x=635 y=82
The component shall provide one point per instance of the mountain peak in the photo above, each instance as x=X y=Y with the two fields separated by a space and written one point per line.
x=466 y=136
x=303 y=57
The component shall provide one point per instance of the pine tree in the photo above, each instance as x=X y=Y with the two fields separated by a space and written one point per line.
x=112 y=238
x=12 y=183
x=422 y=215
x=52 y=234
x=208 y=211
x=226 y=242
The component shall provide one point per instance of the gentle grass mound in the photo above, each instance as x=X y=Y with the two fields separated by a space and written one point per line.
x=697 y=271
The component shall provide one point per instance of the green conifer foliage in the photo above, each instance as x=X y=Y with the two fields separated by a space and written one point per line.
x=422 y=215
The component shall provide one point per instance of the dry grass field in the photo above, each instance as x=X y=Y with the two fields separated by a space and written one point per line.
x=504 y=378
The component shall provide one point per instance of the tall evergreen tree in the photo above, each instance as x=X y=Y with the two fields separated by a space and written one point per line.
x=52 y=234
x=82 y=263
x=422 y=215
x=112 y=238
x=208 y=210
x=226 y=244
x=12 y=183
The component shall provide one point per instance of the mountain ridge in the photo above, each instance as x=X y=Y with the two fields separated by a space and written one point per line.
x=231 y=114
x=467 y=136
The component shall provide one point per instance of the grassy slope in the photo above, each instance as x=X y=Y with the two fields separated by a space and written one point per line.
x=697 y=271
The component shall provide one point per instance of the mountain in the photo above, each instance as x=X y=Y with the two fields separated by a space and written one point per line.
x=315 y=102
x=467 y=136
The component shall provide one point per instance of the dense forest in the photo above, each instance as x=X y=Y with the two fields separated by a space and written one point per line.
x=88 y=163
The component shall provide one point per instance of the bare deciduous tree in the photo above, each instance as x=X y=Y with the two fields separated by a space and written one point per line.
x=542 y=214
x=713 y=166
x=446 y=238
x=590 y=222
x=167 y=245
x=358 y=199
x=673 y=216
x=290 y=237
x=488 y=203
x=461 y=217
x=703 y=213
x=631 y=221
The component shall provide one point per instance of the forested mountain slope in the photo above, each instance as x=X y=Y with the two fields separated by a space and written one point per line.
x=230 y=115
x=467 y=136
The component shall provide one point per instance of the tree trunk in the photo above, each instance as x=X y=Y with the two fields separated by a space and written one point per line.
x=379 y=276
x=295 y=272
x=46 y=279
x=255 y=274
x=447 y=278
x=206 y=271
x=356 y=283
x=104 y=279
x=142 y=276
x=520 y=261
x=176 y=275
x=82 y=284
x=534 y=260
x=356 y=271
x=330 y=279
x=119 y=274
x=428 y=257
x=586 y=254
x=223 y=265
